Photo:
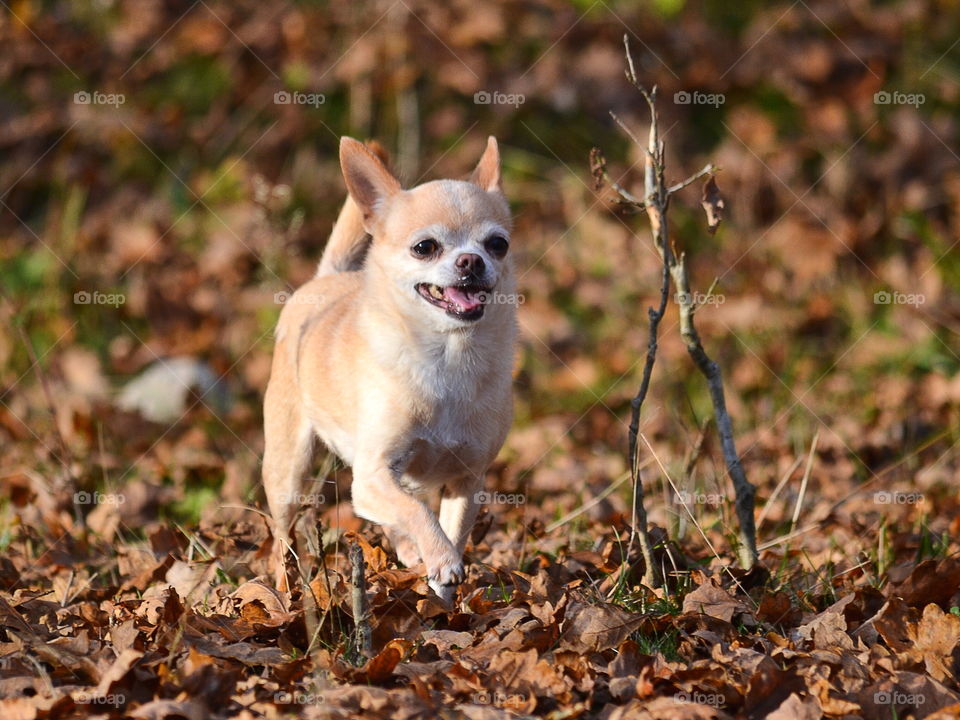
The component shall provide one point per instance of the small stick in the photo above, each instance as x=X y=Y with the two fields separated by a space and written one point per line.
x=655 y=202
x=744 y=491
x=361 y=616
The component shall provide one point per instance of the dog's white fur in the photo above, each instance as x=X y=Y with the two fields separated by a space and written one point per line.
x=416 y=399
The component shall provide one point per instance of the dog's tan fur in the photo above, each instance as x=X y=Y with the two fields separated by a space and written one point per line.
x=415 y=399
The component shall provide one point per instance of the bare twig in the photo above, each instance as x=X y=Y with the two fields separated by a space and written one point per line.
x=708 y=169
x=744 y=492
x=655 y=202
x=361 y=615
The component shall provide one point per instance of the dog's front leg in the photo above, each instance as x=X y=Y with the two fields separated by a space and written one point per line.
x=378 y=496
x=458 y=510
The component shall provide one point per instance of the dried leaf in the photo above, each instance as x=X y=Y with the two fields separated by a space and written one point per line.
x=713 y=204
x=591 y=628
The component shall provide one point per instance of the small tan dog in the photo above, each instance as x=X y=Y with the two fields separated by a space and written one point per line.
x=398 y=356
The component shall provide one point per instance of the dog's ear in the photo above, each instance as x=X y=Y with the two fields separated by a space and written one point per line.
x=368 y=180
x=487 y=172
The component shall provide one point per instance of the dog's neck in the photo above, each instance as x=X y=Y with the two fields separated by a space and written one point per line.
x=441 y=363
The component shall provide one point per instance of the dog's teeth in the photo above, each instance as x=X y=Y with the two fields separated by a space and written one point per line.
x=435 y=291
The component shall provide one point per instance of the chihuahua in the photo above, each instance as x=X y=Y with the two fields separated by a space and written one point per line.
x=398 y=357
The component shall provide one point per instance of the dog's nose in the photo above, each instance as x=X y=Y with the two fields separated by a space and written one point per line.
x=470 y=264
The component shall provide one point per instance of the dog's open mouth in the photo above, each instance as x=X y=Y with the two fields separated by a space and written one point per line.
x=464 y=302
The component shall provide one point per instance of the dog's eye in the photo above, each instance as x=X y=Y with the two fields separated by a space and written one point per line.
x=425 y=248
x=498 y=245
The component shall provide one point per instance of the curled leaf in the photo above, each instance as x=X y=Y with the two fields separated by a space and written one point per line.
x=713 y=204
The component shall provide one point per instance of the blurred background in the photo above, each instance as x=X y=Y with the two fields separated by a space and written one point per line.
x=169 y=174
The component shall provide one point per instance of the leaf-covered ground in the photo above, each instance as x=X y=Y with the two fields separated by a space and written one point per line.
x=547 y=624
x=159 y=203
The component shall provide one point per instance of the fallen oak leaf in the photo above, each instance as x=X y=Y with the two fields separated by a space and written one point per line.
x=930 y=581
x=447 y=640
x=243 y=652
x=830 y=704
x=161 y=605
x=891 y=623
x=777 y=609
x=272 y=599
x=936 y=643
x=711 y=599
x=378 y=669
x=828 y=630
x=397 y=579
x=592 y=628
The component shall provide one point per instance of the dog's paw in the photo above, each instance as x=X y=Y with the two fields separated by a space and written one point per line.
x=444 y=592
x=447 y=574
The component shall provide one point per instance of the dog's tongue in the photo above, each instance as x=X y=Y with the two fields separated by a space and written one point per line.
x=465 y=300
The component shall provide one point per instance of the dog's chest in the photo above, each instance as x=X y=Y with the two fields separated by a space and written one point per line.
x=453 y=440
x=460 y=405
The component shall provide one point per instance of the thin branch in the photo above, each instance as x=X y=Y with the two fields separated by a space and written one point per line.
x=655 y=202
x=744 y=491
x=361 y=615
x=708 y=169
x=625 y=128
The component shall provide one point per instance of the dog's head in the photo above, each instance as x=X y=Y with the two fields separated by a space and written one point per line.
x=441 y=248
